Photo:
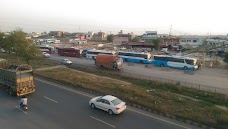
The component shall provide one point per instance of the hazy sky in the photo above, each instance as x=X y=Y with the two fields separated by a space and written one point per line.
x=185 y=16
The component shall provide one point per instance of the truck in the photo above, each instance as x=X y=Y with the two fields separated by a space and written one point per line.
x=17 y=79
x=109 y=61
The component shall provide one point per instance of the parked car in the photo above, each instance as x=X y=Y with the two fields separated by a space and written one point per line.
x=66 y=62
x=45 y=54
x=109 y=103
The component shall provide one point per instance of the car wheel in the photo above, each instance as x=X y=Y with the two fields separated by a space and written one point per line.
x=185 y=68
x=110 y=112
x=93 y=106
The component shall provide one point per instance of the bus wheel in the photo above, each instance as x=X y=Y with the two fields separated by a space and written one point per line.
x=161 y=65
x=185 y=68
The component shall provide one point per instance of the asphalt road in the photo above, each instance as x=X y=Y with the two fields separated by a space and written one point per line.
x=206 y=78
x=55 y=107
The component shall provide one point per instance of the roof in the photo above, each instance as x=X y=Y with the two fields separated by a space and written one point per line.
x=109 y=97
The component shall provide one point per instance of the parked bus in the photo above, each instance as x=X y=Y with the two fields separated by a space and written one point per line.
x=91 y=54
x=136 y=57
x=47 y=49
x=180 y=62
x=72 y=52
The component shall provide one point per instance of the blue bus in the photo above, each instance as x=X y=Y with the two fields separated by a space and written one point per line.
x=136 y=57
x=180 y=62
x=91 y=54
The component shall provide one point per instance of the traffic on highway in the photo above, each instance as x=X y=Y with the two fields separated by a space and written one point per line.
x=57 y=107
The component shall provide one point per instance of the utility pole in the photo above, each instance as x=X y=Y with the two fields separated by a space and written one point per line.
x=170 y=30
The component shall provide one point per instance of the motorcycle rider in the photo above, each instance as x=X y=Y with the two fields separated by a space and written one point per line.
x=23 y=102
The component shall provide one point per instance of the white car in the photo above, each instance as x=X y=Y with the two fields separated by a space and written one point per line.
x=108 y=103
x=45 y=54
x=66 y=61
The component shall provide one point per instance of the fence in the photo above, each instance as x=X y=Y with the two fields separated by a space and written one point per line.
x=158 y=79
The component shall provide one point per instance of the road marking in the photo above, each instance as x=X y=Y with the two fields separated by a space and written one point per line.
x=158 y=118
x=65 y=88
x=102 y=121
x=127 y=108
x=21 y=110
x=50 y=99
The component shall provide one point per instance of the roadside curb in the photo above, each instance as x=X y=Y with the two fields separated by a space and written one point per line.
x=130 y=104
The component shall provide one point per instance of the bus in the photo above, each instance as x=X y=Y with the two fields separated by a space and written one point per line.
x=72 y=52
x=91 y=54
x=136 y=57
x=180 y=62
x=47 y=49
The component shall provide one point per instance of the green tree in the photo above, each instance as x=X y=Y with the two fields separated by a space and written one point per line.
x=18 y=43
x=18 y=40
x=156 y=43
x=226 y=57
x=30 y=51
x=110 y=38
x=5 y=42
x=135 y=39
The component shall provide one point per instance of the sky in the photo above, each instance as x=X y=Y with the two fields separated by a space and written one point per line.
x=180 y=17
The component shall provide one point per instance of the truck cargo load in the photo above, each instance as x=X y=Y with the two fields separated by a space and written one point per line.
x=18 y=79
x=109 y=61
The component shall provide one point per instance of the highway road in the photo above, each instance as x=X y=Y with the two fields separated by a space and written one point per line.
x=206 y=77
x=53 y=106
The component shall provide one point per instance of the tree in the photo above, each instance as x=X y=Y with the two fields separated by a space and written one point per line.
x=156 y=43
x=30 y=51
x=135 y=39
x=18 y=43
x=110 y=38
x=226 y=57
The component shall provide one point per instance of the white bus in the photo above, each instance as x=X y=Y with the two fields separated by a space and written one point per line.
x=91 y=54
x=136 y=57
x=180 y=62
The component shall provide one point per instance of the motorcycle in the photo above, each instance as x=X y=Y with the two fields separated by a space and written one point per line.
x=23 y=107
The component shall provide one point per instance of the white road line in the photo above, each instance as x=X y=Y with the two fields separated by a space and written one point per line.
x=50 y=99
x=90 y=96
x=103 y=122
x=21 y=110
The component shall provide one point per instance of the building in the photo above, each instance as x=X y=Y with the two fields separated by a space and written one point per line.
x=121 y=38
x=191 y=40
x=89 y=35
x=78 y=41
x=171 y=40
x=100 y=36
x=216 y=42
x=78 y=35
x=56 y=33
x=149 y=35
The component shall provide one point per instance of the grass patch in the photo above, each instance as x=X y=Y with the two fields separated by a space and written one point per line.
x=36 y=63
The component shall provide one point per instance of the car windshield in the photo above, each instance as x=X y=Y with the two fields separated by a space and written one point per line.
x=116 y=101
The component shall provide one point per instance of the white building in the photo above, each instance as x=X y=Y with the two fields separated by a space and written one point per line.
x=191 y=40
x=89 y=35
x=216 y=42
x=78 y=41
